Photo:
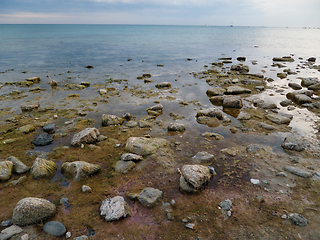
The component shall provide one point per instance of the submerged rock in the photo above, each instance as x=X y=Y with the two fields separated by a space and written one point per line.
x=196 y=175
x=124 y=166
x=114 y=209
x=210 y=112
x=88 y=135
x=232 y=102
x=108 y=120
x=146 y=146
x=5 y=170
x=216 y=136
x=204 y=157
x=176 y=127
x=43 y=168
x=148 y=197
x=32 y=210
x=43 y=140
x=18 y=166
x=79 y=169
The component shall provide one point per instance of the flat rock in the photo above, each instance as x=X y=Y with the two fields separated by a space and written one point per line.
x=157 y=108
x=148 y=197
x=88 y=135
x=114 y=209
x=79 y=169
x=216 y=136
x=279 y=118
x=196 y=175
x=265 y=105
x=232 y=151
x=298 y=219
x=43 y=140
x=232 y=102
x=43 y=168
x=215 y=92
x=299 y=98
x=29 y=107
x=241 y=68
x=210 y=112
x=204 y=157
x=306 y=82
x=10 y=231
x=18 y=166
x=176 y=127
x=54 y=228
x=253 y=148
x=163 y=85
x=144 y=124
x=5 y=170
x=285 y=102
x=266 y=126
x=293 y=143
x=108 y=119
x=26 y=129
x=234 y=90
x=124 y=166
x=146 y=146
x=298 y=171
x=131 y=157
x=32 y=210
x=49 y=128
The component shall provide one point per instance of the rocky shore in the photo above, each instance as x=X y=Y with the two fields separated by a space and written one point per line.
x=121 y=160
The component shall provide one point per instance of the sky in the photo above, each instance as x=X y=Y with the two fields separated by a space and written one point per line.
x=270 y=13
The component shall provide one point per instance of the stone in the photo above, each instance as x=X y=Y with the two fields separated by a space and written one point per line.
x=295 y=86
x=10 y=231
x=216 y=136
x=54 y=228
x=226 y=205
x=6 y=223
x=26 y=129
x=232 y=151
x=204 y=157
x=266 y=126
x=163 y=85
x=210 y=112
x=285 y=103
x=86 y=188
x=33 y=79
x=144 y=124
x=148 y=197
x=293 y=143
x=283 y=59
x=196 y=175
x=32 y=210
x=241 y=68
x=83 y=237
x=145 y=146
x=86 y=84
x=299 y=98
x=311 y=59
x=49 y=128
x=43 y=168
x=5 y=170
x=176 y=127
x=281 y=75
x=253 y=148
x=298 y=219
x=265 y=105
x=108 y=120
x=232 y=102
x=88 y=135
x=156 y=108
x=241 y=59
x=184 y=186
x=43 y=140
x=29 y=107
x=217 y=100
x=114 y=209
x=306 y=82
x=190 y=225
x=234 y=90
x=18 y=166
x=79 y=169
x=124 y=166
x=279 y=118
x=215 y=92
x=131 y=157
x=298 y=171
x=315 y=87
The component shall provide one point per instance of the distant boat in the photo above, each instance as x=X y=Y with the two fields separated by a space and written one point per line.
x=231 y=25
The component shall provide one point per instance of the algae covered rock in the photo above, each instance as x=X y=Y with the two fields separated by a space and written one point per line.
x=163 y=85
x=18 y=166
x=79 y=169
x=88 y=135
x=32 y=210
x=108 y=120
x=29 y=107
x=5 y=170
x=26 y=129
x=232 y=102
x=210 y=112
x=148 y=197
x=43 y=168
x=176 y=127
x=114 y=209
x=145 y=146
x=124 y=166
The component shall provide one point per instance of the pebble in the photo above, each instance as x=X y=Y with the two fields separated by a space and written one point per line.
x=68 y=234
x=226 y=205
x=54 y=228
x=86 y=188
x=254 y=181
x=190 y=225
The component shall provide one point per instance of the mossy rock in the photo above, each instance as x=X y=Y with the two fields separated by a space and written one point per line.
x=79 y=169
x=43 y=168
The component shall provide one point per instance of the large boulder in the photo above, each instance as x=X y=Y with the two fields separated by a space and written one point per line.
x=32 y=210
x=88 y=135
x=108 y=120
x=79 y=169
x=146 y=146
x=114 y=209
x=5 y=170
x=196 y=175
x=18 y=166
x=43 y=168
x=148 y=197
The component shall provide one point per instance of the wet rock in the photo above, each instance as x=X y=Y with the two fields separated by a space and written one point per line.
x=215 y=92
x=5 y=170
x=295 y=86
x=241 y=68
x=43 y=140
x=216 y=136
x=144 y=124
x=29 y=107
x=49 y=128
x=146 y=146
x=9 y=232
x=163 y=85
x=306 y=82
x=210 y=112
x=312 y=59
x=79 y=169
x=283 y=59
x=265 y=105
x=299 y=98
x=86 y=84
x=281 y=75
x=266 y=126
x=293 y=143
x=89 y=66
x=108 y=120
x=157 y=108
x=148 y=197
x=26 y=129
x=314 y=87
x=54 y=228
x=32 y=210
x=204 y=157
x=216 y=100
x=18 y=166
x=124 y=166
x=298 y=219
x=232 y=102
x=114 y=209
x=196 y=175
x=131 y=157
x=285 y=103
x=232 y=151
x=43 y=168
x=241 y=59
x=234 y=90
x=127 y=116
x=33 y=79
x=279 y=118
x=298 y=171
x=88 y=135
x=176 y=127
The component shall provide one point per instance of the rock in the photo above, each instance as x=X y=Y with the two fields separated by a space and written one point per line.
x=215 y=92
x=190 y=225
x=253 y=148
x=88 y=135
x=176 y=127
x=232 y=102
x=26 y=129
x=10 y=231
x=144 y=124
x=204 y=157
x=266 y=126
x=184 y=186
x=234 y=90
x=232 y=151
x=226 y=205
x=163 y=85
x=285 y=103
x=298 y=171
x=5 y=170
x=83 y=237
x=43 y=168
x=293 y=143
x=279 y=118
x=241 y=59
x=86 y=188
x=49 y=128
x=148 y=197
x=156 y=108
x=283 y=59
x=43 y=140
x=265 y=105
x=89 y=66
x=124 y=166
x=254 y=181
x=311 y=59
x=114 y=209
x=54 y=228
x=216 y=136
x=295 y=86
x=79 y=169
x=196 y=175
x=241 y=68
x=299 y=98
x=306 y=82
x=260 y=88
x=210 y=112
x=86 y=84
x=29 y=107
x=18 y=181
x=146 y=146
x=314 y=87
x=281 y=174
x=131 y=157
x=108 y=120
x=216 y=100
x=6 y=223
x=298 y=219
x=33 y=79
x=281 y=75
x=18 y=166
x=127 y=116
x=32 y=210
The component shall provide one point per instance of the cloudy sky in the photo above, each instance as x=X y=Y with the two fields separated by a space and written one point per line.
x=279 y=13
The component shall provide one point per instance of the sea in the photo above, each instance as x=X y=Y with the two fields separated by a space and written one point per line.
x=169 y=53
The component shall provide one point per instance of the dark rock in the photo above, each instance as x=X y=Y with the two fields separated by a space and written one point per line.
x=241 y=68
x=54 y=228
x=49 y=128
x=43 y=140
x=281 y=75
x=163 y=85
x=215 y=92
x=314 y=87
x=283 y=59
x=285 y=103
x=89 y=66
x=295 y=86
x=299 y=98
x=232 y=102
x=312 y=59
x=176 y=127
x=241 y=59
x=217 y=100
